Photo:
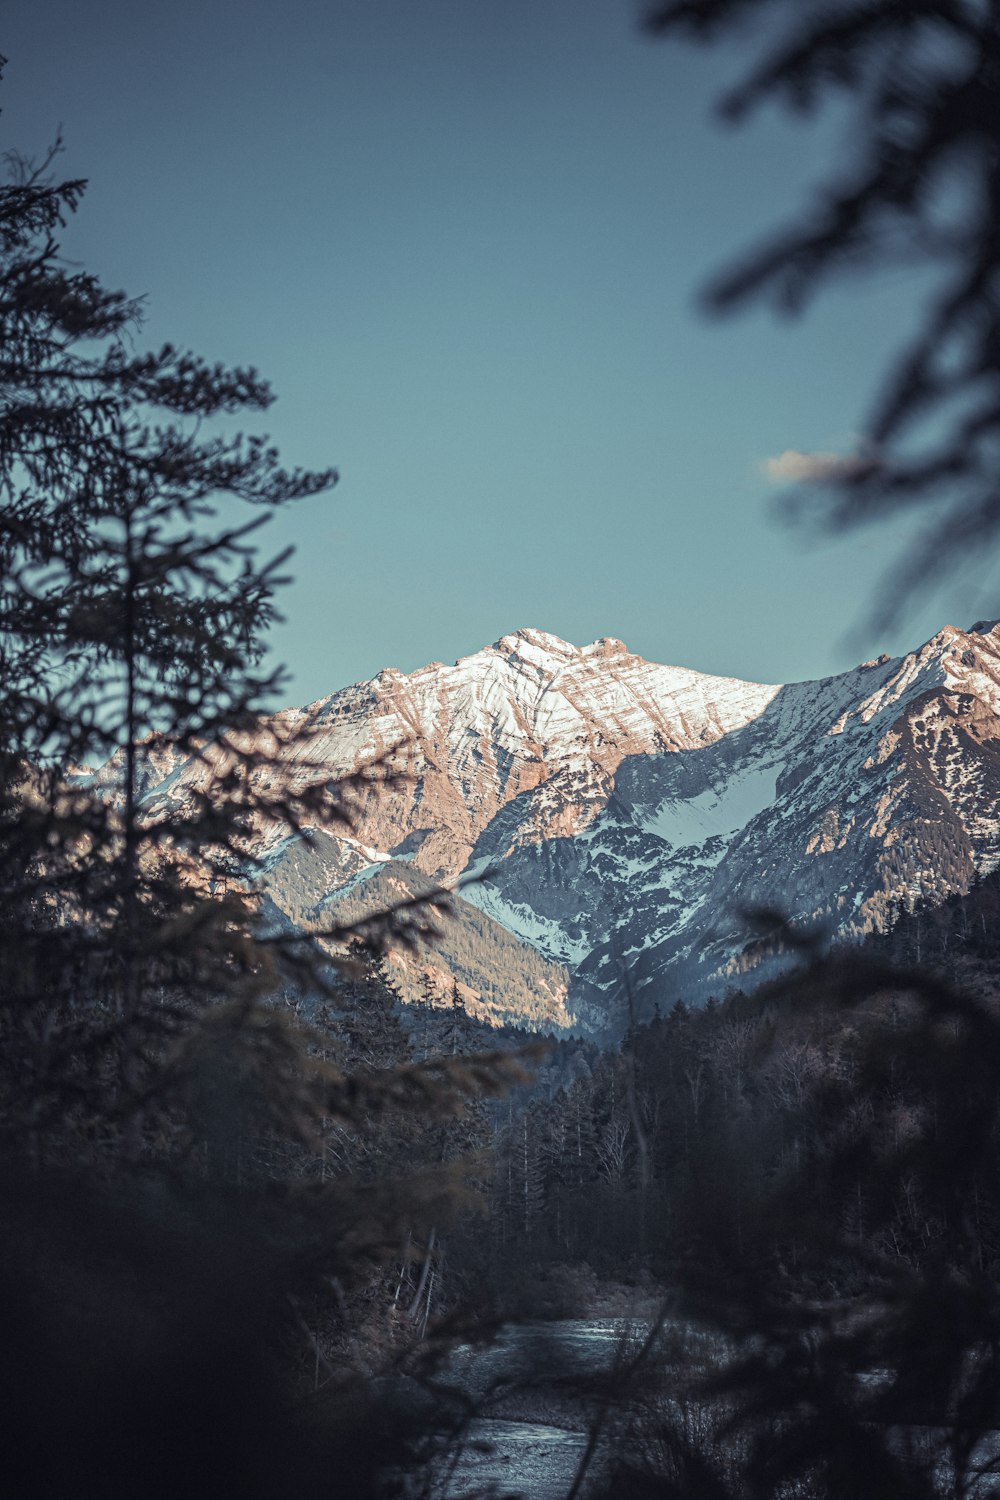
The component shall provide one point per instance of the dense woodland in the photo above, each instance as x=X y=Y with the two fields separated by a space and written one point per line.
x=676 y=1146
x=810 y=1170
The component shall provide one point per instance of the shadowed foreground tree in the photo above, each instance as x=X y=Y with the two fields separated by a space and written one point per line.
x=919 y=186
x=131 y=620
x=882 y=1377
x=167 y=1241
x=858 y=1314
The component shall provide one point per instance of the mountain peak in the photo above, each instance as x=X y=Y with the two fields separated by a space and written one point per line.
x=553 y=645
x=629 y=810
x=607 y=646
x=529 y=641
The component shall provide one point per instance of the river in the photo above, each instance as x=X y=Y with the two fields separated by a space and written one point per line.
x=535 y=1388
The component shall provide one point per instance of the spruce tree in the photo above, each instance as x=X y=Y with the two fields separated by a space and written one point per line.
x=171 y=1256
x=133 y=610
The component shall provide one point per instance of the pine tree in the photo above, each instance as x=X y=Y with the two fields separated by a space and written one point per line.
x=168 y=1246
x=132 y=620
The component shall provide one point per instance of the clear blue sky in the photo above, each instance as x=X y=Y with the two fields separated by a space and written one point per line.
x=463 y=239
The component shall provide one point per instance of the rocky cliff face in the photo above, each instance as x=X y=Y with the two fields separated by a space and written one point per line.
x=621 y=814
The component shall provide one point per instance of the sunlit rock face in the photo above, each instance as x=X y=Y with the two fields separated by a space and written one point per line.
x=622 y=814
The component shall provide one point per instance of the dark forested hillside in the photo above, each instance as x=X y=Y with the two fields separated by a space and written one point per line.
x=668 y=1146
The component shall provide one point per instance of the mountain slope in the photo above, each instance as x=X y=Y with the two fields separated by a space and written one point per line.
x=619 y=814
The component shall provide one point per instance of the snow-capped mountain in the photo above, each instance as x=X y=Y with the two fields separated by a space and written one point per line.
x=621 y=814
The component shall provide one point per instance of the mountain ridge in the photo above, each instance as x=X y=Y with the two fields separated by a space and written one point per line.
x=618 y=813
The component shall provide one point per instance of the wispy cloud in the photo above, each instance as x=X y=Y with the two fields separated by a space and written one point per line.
x=795 y=467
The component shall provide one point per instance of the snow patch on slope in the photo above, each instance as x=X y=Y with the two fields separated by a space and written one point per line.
x=550 y=939
x=715 y=812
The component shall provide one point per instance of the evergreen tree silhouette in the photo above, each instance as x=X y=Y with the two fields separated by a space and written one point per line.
x=917 y=185
x=175 y=1270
